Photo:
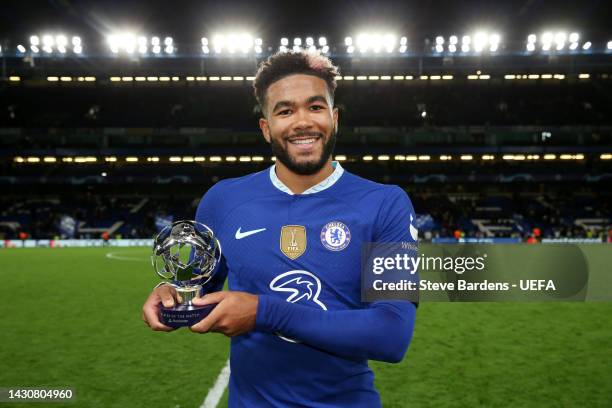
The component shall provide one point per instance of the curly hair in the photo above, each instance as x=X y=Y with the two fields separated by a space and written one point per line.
x=283 y=64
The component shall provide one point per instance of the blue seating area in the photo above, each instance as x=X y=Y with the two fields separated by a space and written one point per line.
x=442 y=214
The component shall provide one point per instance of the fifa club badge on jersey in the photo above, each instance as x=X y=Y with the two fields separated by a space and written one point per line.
x=335 y=236
x=293 y=241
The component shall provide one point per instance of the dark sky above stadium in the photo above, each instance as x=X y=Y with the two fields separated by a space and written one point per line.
x=189 y=20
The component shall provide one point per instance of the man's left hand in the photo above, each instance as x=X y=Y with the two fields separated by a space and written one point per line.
x=234 y=314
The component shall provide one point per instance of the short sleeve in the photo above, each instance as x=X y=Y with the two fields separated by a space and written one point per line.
x=396 y=219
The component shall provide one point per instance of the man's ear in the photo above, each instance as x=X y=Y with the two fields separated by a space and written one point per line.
x=263 y=125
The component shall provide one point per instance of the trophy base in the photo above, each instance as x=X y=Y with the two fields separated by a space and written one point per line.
x=183 y=315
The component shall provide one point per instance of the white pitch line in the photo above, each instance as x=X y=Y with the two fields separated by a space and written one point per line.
x=216 y=392
x=113 y=255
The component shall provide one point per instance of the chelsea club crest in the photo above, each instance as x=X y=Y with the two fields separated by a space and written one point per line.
x=335 y=236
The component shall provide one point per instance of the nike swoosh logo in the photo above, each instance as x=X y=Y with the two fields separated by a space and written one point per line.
x=240 y=234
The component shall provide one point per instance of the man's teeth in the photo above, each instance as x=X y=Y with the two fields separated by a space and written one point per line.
x=303 y=141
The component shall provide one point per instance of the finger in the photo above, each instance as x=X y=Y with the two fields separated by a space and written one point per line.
x=206 y=324
x=210 y=298
x=160 y=327
x=167 y=295
x=150 y=314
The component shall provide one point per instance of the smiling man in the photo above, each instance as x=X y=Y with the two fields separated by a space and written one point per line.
x=292 y=238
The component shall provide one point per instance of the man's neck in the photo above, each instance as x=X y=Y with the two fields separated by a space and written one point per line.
x=298 y=183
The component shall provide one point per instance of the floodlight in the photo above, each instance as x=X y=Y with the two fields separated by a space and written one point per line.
x=142 y=40
x=466 y=40
x=453 y=39
x=34 y=40
x=128 y=41
x=586 y=45
x=232 y=42
x=560 y=37
x=322 y=41
x=480 y=40
x=389 y=42
x=363 y=41
x=48 y=41
x=439 y=40
x=284 y=41
x=113 y=43
x=348 y=41
x=574 y=37
x=61 y=41
x=494 y=40
x=376 y=42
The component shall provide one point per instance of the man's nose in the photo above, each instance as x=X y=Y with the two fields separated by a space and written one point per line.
x=302 y=120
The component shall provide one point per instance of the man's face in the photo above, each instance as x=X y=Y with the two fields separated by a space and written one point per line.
x=300 y=123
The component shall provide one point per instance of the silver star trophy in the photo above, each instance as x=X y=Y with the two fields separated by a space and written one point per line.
x=185 y=254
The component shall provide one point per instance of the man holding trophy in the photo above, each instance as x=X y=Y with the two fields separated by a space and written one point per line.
x=291 y=239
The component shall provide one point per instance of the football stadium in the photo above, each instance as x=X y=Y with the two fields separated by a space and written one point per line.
x=495 y=119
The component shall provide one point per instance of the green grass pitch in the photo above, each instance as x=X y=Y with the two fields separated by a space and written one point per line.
x=71 y=317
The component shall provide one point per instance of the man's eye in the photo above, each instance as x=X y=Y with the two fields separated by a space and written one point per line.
x=284 y=112
x=317 y=107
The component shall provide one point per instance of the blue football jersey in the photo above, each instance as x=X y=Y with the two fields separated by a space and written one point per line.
x=301 y=254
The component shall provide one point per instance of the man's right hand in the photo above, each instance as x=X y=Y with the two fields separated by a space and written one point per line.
x=164 y=294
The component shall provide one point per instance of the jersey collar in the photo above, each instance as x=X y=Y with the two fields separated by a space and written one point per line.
x=323 y=185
